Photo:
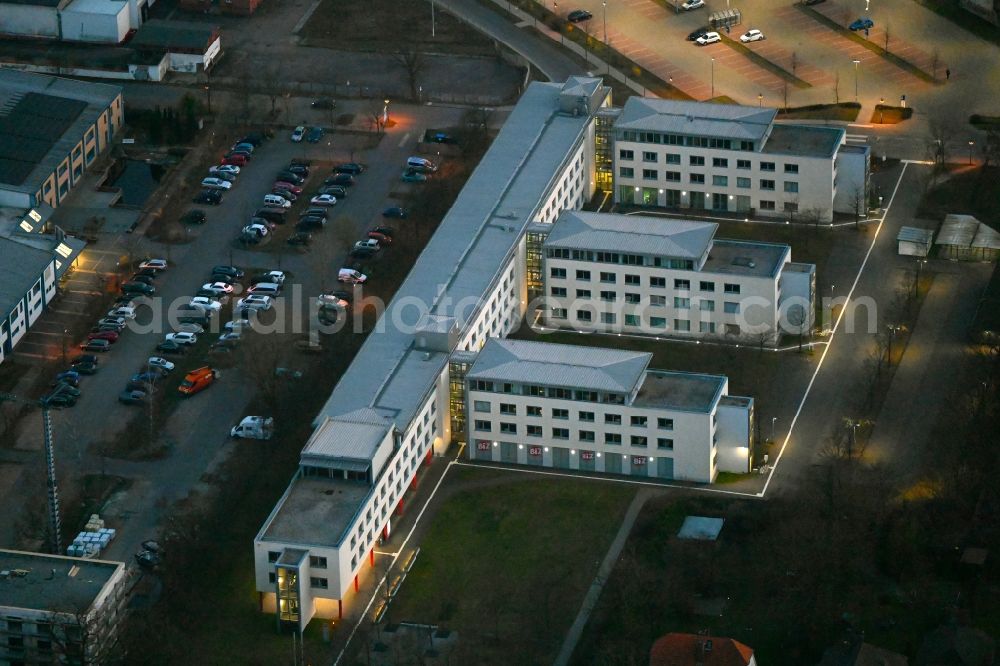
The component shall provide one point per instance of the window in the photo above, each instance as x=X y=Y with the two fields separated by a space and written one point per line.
x=731 y=308
x=612 y=438
x=767 y=166
x=633 y=299
x=557 y=291
x=682 y=325
x=608 y=295
x=586 y=416
x=720 y=162
x=558 y=313
x=682 y=303
x=704 y=285
x=696 y=160
x=766 y=184
x=682 y=284
x=557 y=273
x=638 y=440
x=697 y=178
x=672 y=158
x=613 y=419
x=731 y=288
x=720 y=181
x=791 y=168
x=509 y=409
x=791 y=207
x=665 y=443
x=742 y=164
x=743 y=183
x=609 y=278
x=560 y=413
x=483 y=426
x=791 y=186
x=586 y=435
x=533 y=410
x=318 y=583
x=657 y=322
x=648 y=156
x=650 y=174
x=626 y=155
x=673 y=176
x=626 y=172
x=583 y=293
x=658 y=282
x=508 y=428
x=608 y=318
x=583 y=275
x=272 y=556
x=658 y=301
x=560 y=433
x=638 y=421
x=706 y=327
x=534 y=431
x=665 y=424
x=584 y=315
x=317 y=562
x=706 y=306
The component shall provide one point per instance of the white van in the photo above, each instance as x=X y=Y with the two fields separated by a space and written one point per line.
x=266 y=288
x=351 y=276
x=276 y=201
x=420 y=164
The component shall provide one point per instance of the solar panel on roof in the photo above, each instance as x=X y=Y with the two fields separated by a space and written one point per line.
x=29 y=129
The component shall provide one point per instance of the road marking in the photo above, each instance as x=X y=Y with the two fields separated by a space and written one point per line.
x=305 y=17
x=833 y=333
x=382 y=552
x=402 y=142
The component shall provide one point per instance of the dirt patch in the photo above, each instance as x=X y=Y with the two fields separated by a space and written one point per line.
x=890 y=115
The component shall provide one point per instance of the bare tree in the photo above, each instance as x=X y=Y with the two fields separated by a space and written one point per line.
x=935 y=63
x=886 y=37
x=272 y=84
x=261 y=356
x=413 y=64
x=858 y=200
x=836 y=87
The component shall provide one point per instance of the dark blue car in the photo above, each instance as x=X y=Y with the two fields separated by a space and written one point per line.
x=861 y=24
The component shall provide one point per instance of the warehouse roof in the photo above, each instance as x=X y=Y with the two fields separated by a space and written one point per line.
x=157 y=33
x=915 y=235
x=53 y=583
x=316 y=511
x=803 y=141
x=731 y=121
x=682 y=391
x=967 y=231
x=20 y=267
x=108 y=7
x=548 y=364
x=36 y=3
x=350 y=438
x=638 y=234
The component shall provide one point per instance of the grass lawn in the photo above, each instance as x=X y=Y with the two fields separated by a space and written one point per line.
x=968 y=190
x=405 y=26
x=845 y=111
x=507 y=566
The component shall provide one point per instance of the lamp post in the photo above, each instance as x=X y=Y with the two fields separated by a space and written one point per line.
x=385 y=114
x=893 y=329
x=774 y=419
x=760 y=100
x=433 y=22
x=713 y=78
x=916 y=283
x=856 y=65
x=881 y=109
x=604 y=4
x=971 y=144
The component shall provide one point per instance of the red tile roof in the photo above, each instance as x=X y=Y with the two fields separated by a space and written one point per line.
x=692 y=649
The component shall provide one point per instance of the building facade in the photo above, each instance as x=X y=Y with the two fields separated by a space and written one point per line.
x=732 y=159
x=95 y=21
x=51 y=131
x=670 y=277
x=603 y=410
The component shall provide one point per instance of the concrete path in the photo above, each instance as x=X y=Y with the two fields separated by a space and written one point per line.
x=603 y=574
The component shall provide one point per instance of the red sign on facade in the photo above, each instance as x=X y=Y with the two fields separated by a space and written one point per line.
x=586 y=455
x=534 y=450
x=482 y=445
x=638 y=460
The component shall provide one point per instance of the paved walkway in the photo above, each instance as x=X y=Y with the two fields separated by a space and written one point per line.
x=603 y=574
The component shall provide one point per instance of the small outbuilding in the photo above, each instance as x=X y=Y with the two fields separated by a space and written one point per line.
x=964 y=238
x=914 y=242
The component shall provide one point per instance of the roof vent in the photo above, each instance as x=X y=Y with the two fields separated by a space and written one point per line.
x=746 y=262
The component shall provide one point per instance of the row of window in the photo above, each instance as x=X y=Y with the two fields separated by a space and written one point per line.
x=509 y=409
x=681 y=140
x=618 y=258
x=680 y=303
x=586 y=436
x=682 y=325
x=699 y=179
x=554 y=392
x=699 y=160
x=680 y=284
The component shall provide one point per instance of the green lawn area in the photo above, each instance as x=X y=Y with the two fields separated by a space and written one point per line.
x=970 y=191
x=846 y=111
x=507 y=565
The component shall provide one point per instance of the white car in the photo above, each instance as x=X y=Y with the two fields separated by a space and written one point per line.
x=123 y=312
x=692 y=4
x=191 y=328
x=752 y=36
x=160 y=363
x=225 y=168
x=216 y=184
x=298 y=133
x=231 y=336
x=324 y=200
x=277 y=277
x=155 y=264
x=206 y=303
x=331 y=301
x=255 y=302
x=218 y=287
x=235 y=325
x=255 y=229
x=182 y=338
x=708 y=38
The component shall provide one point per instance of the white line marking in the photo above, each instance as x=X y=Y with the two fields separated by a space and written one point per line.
x=406 y=137
x=843 y=309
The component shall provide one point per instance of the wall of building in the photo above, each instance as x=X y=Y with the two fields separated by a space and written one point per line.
x=798 y=298
x=29 y=20
x=734 y=437
x=853 y=168
x=100 y=28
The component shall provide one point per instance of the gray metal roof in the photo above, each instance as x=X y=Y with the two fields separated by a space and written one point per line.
x=547 y=364
x=751 y=258
x=967 y=231
x=162 y=34
x=804 y=141
x=464 y=257
x=41 y=119
x=915 y=235
x=20 y=267
x=729 y=121
x=352 y=437
x=638 y=234
x=681 y=391
x=53 y=583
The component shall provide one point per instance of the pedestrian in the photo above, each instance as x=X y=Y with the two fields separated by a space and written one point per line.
x=947 y=73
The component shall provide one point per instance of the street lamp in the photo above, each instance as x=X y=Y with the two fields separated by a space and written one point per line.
x=856 y=64
x=916 y=283
x=971 y=144
x=604 y=3
x=893 y=329
x=713 y=78
x=774 y=419
x=433 y=22
x=881 y=110
x=385 y=113
x=760 y=100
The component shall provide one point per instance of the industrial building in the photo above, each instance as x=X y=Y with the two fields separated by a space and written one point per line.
x=95 y=21
x=51 y=130
x=603 y=410
x=734 y=159
x=670 y=277
x=56 y=609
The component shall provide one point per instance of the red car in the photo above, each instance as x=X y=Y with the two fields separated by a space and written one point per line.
x=282 y=185
x=380 y=237
x=236 y=160
x=110 y=336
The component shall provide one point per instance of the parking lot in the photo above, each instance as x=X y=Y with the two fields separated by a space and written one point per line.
x=94 y=436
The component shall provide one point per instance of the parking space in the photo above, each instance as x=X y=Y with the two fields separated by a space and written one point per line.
x=744 y=68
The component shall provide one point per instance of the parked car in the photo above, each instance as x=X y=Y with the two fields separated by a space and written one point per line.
x=190 y=327
x=323 y=200
x=228 y=177
x=144 y=279
x=171 y=347
x=285 y=185
x=688 y=5
x=117 y=322
x=300 y=239
x=85 y=358
x=812 y=2
x=579 y=16
x=123 y=312
x=271 y=215
x=862 y=24
x=110 y=336
x=59 y=400
x=695 y=34
x=318 y=211
x=181 y=338
x=253 y=233
x=234 y=160
x=413 y=177
x=380 y=238
x=232 y=271
x=244 y=145
x=287 y=195
x=298 y=169
x=315 y=135
x=276 y=201
x=311 y=222
x=277 y=277
x=216 y=184
x=132 y=397
x=342 y=179
x=289 y=177
x=210 y=197
x=155 y=264
x=298 y=133
x=338 y=191
x=147 y=377
x=384 y=230
x=160 y=363
x=351 y=276
x=752 y=36
x=255 y=302
x=352 y=168
x=331 y=300
x=95 y=345
x=225 y=168
x=138 y=288
x=85 y=368
x=395 y=211
x=218 y=288
x=323 y=103
x=71 y=377
x=708 y=38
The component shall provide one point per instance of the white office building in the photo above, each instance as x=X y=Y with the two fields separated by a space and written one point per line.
x=671 y=277
x=403 y=396
x=734 y=159
x=603 y=410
